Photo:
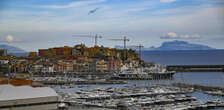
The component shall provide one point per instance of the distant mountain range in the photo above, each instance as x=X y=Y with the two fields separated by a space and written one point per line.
x=166 y=46
x=174 y=45
x=14 y=50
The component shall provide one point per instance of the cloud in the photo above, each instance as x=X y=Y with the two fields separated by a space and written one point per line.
x=93 y=11
x=172 y=35
x=167 y=1
x=74 y=4
x=9 y=38
x=136 y=9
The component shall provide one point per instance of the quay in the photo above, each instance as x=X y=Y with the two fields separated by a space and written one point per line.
x=196 y=68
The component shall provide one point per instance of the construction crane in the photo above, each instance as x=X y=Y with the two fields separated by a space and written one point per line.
x=125 y=40
x=89 y=36
x=140 y=46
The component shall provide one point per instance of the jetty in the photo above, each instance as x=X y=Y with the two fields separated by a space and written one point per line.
x=196 y=68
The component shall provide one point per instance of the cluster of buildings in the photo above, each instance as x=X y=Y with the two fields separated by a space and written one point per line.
x=3 y=52
x=69 y=64
x=72 y=59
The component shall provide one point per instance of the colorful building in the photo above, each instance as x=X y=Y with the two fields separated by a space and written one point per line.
x=57 y=51
x=43 y=52
x=32 y=54
x=101 y=66
x=113 y=64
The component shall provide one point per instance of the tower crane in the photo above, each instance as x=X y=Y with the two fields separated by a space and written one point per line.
x=96 y=37
x=140 y=46
x=125 y=40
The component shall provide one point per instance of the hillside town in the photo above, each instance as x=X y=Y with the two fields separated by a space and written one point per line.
x=70 y=59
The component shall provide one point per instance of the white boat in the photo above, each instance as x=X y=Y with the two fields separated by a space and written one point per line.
x=156 y=72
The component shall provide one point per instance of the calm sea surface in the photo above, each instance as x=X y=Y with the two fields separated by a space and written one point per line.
x=191 y=57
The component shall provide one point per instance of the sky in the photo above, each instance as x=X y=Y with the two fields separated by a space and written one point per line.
x=35 y=24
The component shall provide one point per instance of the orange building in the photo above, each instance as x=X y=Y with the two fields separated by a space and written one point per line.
x=32 y=54
x=17 y=82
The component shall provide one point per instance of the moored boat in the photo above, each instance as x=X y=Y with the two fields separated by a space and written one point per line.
x=151 y=73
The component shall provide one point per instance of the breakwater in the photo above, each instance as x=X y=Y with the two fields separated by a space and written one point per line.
x=196 y=68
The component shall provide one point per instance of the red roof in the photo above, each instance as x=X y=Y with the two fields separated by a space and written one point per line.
x=72 y=57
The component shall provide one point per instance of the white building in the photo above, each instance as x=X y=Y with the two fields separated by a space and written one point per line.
x=4 y=61
x=47 y=69
x=27 y=98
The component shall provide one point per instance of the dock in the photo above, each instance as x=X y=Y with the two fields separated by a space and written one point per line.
x=196 y=68
x=45 y=82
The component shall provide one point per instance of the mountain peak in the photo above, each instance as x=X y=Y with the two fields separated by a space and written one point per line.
x=174 y=45
x=12 y=49
x=182 y=45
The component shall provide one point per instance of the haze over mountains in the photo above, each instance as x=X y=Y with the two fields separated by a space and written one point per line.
x=14 y=50
x=166 y=46
x=174 y=45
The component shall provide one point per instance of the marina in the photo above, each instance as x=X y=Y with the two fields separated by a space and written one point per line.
x=111 y=55
x=199 y=99
x=138 y=98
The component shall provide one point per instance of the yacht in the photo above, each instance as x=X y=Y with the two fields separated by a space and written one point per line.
x=150 y=73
